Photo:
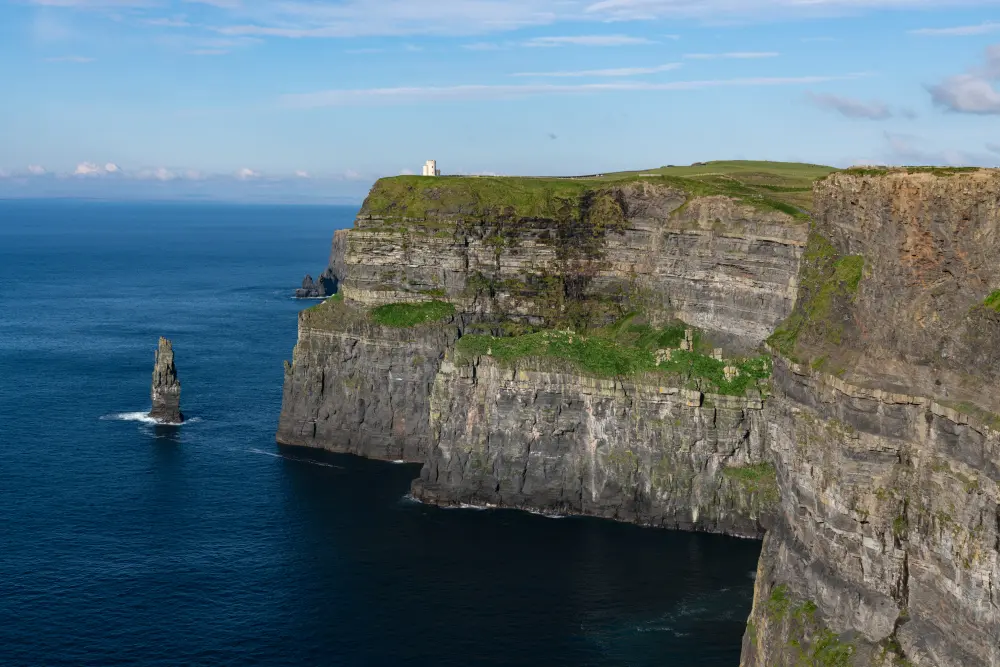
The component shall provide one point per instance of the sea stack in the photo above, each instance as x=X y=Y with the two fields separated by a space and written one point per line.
x=166 y=389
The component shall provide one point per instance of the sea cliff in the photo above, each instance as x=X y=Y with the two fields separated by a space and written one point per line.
x=744 y=348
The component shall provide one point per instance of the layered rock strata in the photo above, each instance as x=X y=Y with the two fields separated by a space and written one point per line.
x=166 y=388
x=883 y=433
x=358 y=387
x=873 y=461
x=627 y=449
x=582 y=261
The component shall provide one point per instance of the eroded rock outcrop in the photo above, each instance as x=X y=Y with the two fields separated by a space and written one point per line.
x=872 y=459
x=883 y=432
x=358 y=387
x=628 y=449
x=166 y=388
x=324 y=286
x=561 y=255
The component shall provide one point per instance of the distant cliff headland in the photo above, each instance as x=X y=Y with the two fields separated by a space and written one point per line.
x=771 y=350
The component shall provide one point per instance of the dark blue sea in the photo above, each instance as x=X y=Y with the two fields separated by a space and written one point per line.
x=123 y=542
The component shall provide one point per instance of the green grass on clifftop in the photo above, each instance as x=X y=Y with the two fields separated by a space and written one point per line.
x=401 y=315
x=623 y=349
x=785 y=187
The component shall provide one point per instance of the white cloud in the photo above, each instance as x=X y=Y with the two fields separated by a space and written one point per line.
x=352 y=175
x=959 y=31
x=612 y=72
x=93 y=169
x=973 y=92
x=302 y=174
x=587 y=40
x=70 y=59
x=246 y=173
x=734 y=55
x=406 y=172
x=36 y=169
x=409 y=95
x=852 y=108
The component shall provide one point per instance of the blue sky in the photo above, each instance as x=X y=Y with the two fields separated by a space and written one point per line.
x=307 y=99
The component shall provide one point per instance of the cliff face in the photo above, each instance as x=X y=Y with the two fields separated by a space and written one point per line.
x=564 y=254
x=488 y=327
x=717 y=263
x=358 y=387
x=560 y=441
x=887 y=452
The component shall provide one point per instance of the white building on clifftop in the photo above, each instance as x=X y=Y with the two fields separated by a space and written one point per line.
x=430 y=168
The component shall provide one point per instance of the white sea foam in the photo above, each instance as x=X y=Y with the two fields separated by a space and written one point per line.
x=295 y=458
x=399 y=461
x=144 y=418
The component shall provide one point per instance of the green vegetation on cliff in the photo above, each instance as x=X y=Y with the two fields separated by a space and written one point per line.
x=828 y=283
x=401 y=315
x=993 y=301
x=784 y=187
x=624 y=349
x=759 y=478
x=806 y=637
x=883 y=171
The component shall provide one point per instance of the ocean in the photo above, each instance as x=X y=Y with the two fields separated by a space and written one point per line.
x=123 y=542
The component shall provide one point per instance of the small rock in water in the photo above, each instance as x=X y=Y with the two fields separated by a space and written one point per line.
x=166 y=389
x=326 y=285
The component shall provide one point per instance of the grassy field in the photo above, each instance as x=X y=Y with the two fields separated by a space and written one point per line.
x=623 y=349
x=403 y=315
x=783 y=186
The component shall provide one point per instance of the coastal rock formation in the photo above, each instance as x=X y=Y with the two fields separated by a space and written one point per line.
x=324 y=286
x=526 y=339
x=573 y=255
x=166 y=388
x=358 y=387
x=884 y=432
x=632 y=450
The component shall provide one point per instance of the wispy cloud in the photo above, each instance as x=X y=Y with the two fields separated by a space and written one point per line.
x=70 y=59
x=959 y=31
x=167 y=22
x=246 y=173
x=913 y=150
x=36 y=169
x=972 y=92
x=482 y=46
x=756 y=9
x=732 y=55
x=588 y=40
x=854 y=108
x=611 y=72
x=411 y=95
x=994 y=148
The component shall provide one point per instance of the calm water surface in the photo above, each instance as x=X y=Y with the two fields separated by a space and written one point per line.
x=123 y=542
